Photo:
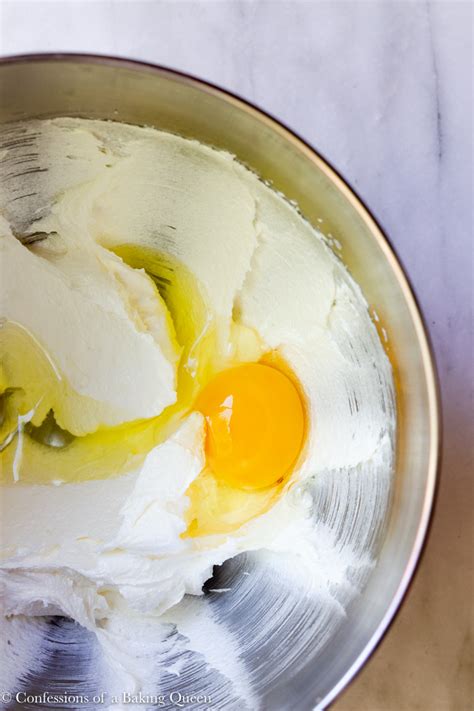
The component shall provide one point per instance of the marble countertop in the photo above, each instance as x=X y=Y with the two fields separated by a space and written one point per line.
x=384 y=91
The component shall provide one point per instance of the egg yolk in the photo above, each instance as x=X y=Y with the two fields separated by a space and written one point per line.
x=255 y=425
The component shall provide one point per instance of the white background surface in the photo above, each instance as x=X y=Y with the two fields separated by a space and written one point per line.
x=384 y=91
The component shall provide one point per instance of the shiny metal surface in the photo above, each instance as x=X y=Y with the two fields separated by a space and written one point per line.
x=98 y=87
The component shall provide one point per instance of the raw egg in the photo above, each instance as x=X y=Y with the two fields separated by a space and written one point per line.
x=255 y=425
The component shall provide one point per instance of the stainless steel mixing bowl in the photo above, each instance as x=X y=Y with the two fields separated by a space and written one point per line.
x=104 y=88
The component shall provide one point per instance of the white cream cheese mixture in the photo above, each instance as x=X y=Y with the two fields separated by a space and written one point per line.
x=136 y=267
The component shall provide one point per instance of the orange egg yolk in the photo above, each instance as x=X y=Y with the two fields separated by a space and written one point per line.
x=255 y=425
